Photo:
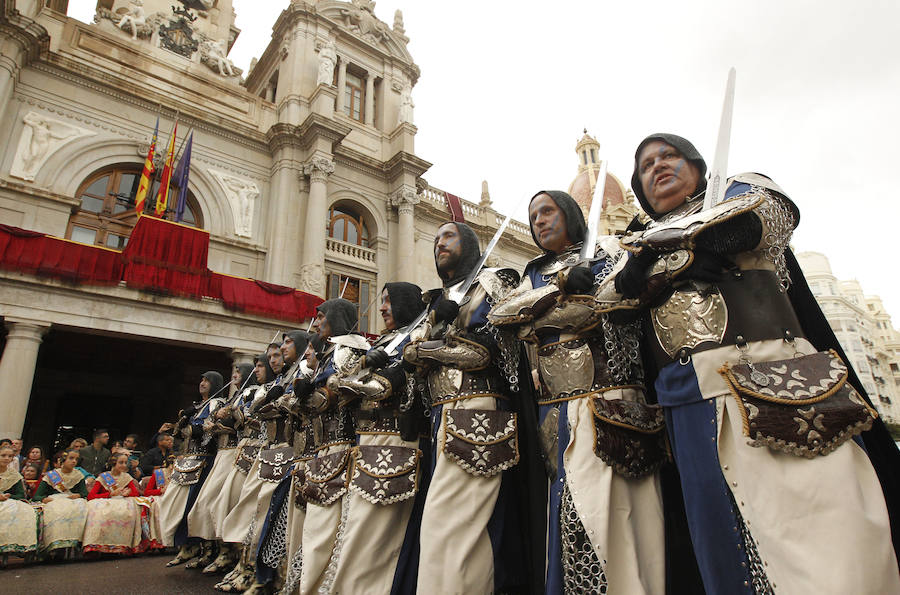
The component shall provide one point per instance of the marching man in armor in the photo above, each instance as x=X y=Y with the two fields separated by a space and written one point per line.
x=601 y=443
x=191 y=469
x=765 y=426
x=474 y=435
x=379 y=540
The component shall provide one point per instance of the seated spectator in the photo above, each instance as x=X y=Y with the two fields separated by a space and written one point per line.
x=94 y=457
x=36 y=457
x=78 y=444
x=18 y=457
x=57 y=462
x=5 y=441
x=32 y=477
x=158 y=456
x=63 y=495
x=113 y=524
x=18 y=531
x=134 y=455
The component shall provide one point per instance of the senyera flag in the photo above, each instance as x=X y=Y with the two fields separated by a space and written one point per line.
x=162 y=197
x=144 y=184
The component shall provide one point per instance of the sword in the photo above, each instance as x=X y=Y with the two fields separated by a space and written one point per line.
x=590 y=238
x=715 y=190
x=457 y=294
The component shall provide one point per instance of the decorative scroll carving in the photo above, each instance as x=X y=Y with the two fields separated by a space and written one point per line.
x=41 y=138
x=318 y=169
x=242 y=195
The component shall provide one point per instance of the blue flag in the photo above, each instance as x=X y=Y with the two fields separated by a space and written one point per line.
x=182 y=172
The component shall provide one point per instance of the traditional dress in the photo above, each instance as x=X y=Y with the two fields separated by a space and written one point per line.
x=779 y=495
x=113 y=523
x=18 y=521
x=602 y=443
x=63 y=518
x=470 y=535
x=380 y=548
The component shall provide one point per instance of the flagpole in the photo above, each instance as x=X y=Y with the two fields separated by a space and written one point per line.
x=165 y=158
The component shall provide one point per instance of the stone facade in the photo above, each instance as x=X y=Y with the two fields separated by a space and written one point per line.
x=864 y=330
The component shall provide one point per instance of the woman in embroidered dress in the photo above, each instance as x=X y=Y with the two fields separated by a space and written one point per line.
x=62 y=493
x=31 y=474
x=113 y=519
x=18 y=526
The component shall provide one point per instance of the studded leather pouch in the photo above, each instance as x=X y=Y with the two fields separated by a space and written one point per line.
x=483 y=443
x=187 y=470
x=629 y=436
x=803 y=406
x=385 y=474
x=246 y=456
x=326 y=478
x=274 y=463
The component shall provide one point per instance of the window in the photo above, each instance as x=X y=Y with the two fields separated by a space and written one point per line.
x=345 y=225
x=593 y=155
x=354 y=96
x=357 y=291
x=107 y=216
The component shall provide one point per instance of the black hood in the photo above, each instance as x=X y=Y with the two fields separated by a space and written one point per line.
x=216 y=382
x=246 y=372
x=341 y=315
x=270 y=373
x=470 y=252
x=687 y=150
x=575 y=225
x=406 y=301
x=300 y=339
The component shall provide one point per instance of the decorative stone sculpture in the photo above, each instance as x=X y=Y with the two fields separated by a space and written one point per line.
x=41 y=138
x=406 y=106
x=360 y=17
x=133 y=19
x=214 y=54
x=242 y=195
x=312 y=279
x=327 y=60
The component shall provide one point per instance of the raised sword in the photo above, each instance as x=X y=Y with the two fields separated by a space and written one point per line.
x=590 y=239
x=715 y=189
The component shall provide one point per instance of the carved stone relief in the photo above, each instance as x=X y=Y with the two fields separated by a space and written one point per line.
x=242 y=195
x=312 y=279
x=41 y=138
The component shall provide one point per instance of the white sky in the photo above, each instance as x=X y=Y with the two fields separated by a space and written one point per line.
x=507 y=87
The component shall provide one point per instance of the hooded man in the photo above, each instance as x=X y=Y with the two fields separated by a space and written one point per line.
x=381 y=532
x=779 y=495
x=606 y=523
x=467 y=520
x=191 y=470
x=338 y=353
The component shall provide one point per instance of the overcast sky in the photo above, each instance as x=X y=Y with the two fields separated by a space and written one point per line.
x=507 y=87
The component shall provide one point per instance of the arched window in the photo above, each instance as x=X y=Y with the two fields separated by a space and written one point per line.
x=107 y=216
x=346 y=225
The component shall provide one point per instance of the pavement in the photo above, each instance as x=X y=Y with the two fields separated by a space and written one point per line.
x=106 y=576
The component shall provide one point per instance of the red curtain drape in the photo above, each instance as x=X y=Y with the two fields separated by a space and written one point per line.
x=167 y=257
x=47 y=256
x=265 y=299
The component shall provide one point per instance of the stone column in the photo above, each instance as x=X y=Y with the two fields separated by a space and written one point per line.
x=341 y=86
x=17 y=373
x=312 y=271
x=405 y=200
x=370 y=99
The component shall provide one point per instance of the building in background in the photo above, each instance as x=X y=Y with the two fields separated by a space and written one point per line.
x=863 y=328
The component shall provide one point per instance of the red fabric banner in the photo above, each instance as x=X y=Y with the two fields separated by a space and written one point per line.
x=167 y=257
x=456 y=211
x=264 y=299
x=38 y=254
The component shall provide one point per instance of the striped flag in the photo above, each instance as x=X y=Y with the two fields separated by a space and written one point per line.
x=162 y=197
x=182 y=172
x=144 y=185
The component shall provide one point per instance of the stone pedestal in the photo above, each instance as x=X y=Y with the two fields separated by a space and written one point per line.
x=17 y=373
x=322 y=101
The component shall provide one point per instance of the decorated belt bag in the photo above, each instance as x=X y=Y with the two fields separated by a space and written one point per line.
x=385 y=474
x=326 y=478
x=187 y=470
x=483 y=443
x=629 y=436
x=803 y=406
x=246 y=456
x=275 y=463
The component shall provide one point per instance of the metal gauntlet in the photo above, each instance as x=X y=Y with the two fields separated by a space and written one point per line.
x=368 y=386
x=453 y=351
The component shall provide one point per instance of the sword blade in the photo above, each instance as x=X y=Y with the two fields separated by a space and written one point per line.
x=590 y=239
x=715 y=190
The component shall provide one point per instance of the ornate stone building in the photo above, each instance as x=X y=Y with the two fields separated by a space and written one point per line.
x=865 y=331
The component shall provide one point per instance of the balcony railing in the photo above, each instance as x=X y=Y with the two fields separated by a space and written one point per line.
x=352 y=251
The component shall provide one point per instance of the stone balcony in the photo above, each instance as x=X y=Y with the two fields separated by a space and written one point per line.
x=350 y=254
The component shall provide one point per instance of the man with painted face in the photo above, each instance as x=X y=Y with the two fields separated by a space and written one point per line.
x=766 y=422
x=191 y=469
x=243 y=524
x=325 y=481
x=387 y=491
x=602 y=444
x=467 y=519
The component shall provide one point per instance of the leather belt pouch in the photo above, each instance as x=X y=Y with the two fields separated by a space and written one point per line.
x=187 y=470
x=326 y=478
x=385 y=474
x=246 y=456
x=629 y=436
x=274 y=463
x=482 y=442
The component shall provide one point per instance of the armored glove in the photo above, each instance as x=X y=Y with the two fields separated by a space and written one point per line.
x=376 y=359
x=303 y=387
x=445 y=311
x=578 y=280
x=317 y=402
x=631 y=280
x=707 y=266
